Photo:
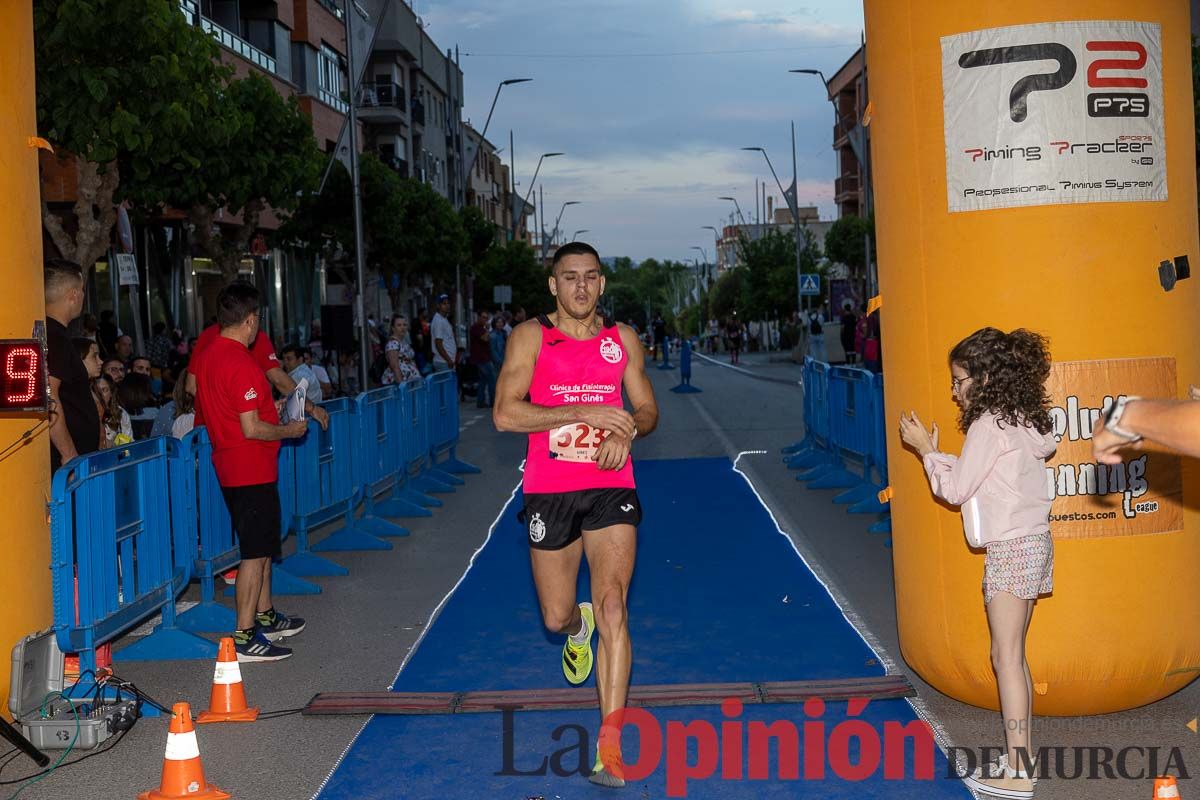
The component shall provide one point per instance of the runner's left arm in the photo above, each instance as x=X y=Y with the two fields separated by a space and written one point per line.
x=637 y=384
x=614 y=452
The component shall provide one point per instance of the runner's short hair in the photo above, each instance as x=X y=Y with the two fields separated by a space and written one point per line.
x=236 y=301
x=573 y=249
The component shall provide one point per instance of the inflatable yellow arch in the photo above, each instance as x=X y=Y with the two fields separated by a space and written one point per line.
x=1034 y=166
x=24 y=472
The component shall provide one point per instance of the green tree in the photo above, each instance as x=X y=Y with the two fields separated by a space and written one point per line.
x=256 y=151
x=845 y=243
x=479 y=235
x=408 y=228
x=726 y=294
x=117 y=81
x=516 y=265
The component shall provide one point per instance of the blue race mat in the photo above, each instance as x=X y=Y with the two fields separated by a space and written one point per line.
x=718 y=595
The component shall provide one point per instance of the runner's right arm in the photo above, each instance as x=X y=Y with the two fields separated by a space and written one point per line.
x=513 y=413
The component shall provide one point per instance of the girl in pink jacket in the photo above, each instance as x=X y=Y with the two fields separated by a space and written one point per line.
x=999 y=483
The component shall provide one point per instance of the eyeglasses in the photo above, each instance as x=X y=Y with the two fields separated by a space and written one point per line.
x=957 y=383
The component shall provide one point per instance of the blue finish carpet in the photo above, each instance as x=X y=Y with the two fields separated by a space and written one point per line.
x=718 y=595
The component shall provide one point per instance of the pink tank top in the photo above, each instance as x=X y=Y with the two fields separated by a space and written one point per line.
x=568 y=372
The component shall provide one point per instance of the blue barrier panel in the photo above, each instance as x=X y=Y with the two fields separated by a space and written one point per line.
x=808 y=443
x=379 y=458
x=871 y=505
x=414 y=439
x=443 y=414
x=325 y=484
x=121 y=531
x=817 y=455
x=443 y=430
x=852 y=431
x=217 y=551
x=685 y=370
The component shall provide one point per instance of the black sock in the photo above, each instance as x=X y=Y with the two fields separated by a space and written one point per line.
x=243 y=636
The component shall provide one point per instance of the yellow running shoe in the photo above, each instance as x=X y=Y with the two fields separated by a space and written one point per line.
x=611 y=774
x=577 y=658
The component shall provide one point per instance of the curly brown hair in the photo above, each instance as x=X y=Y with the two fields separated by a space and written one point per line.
x=1008 y=377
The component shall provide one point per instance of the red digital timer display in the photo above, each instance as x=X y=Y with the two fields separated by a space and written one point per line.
x=22 y=375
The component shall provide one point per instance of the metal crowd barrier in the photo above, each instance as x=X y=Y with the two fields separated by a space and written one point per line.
x=426 y=478
x=132 y=525
x=218 y=550
x=325 y=470
x=414 y=437
x=122 y=548
x=844 y=426
x=379 y=457
x=444 y=430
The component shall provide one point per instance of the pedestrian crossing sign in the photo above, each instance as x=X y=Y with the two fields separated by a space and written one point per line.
x=810 y=284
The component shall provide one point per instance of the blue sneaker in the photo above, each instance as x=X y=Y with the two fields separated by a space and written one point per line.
x=276 y=625
x=258 y=648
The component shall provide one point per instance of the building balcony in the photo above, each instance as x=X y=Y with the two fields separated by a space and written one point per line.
x=333 y=101
x=841 y=131
x=228 y=39
x=845 y=188
x=418 y=113
x=333 y=8
x=382 y=102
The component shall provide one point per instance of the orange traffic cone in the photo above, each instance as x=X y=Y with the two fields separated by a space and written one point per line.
x=227 y=703
x=1165 y=788
x=182 y=774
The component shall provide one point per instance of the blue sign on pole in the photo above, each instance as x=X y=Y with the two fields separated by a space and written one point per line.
x=810 y=284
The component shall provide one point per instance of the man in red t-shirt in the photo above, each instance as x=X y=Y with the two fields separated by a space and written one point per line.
x=243 y=425
x=264 y=356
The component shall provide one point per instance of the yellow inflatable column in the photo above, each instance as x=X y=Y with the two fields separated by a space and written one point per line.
x=25 y=471
x=1034 y=165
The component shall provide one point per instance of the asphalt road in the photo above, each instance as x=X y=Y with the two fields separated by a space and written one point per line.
x=362 y=626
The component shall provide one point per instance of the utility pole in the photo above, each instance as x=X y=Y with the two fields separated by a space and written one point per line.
x=795 y=205
x=359 y=260
x=512 y=175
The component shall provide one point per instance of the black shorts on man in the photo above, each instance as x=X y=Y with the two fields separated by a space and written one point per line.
x=556 y=520
x=255 y=512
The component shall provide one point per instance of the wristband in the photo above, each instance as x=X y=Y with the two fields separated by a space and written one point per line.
x=1112 y=419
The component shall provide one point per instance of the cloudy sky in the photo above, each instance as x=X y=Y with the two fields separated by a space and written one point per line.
x=651 y=101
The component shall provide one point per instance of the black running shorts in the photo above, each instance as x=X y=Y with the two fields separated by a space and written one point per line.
x=255 y=514
x=555 y=520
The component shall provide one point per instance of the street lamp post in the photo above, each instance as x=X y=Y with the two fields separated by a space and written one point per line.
x=557 y=220
x=716 y=242
x=581 y=230
x=465 y=177
x=735 y=205
x=542 y=158
x=792 y=206
x=488 y=121
x=703 y=282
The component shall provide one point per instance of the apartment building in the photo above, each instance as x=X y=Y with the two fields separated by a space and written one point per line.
x=411 y=104
x=488 y=185
x=848 y=92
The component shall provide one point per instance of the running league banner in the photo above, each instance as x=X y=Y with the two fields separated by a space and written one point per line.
x=1059 y=112
x=1142 y=494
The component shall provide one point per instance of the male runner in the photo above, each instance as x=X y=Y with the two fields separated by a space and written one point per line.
x=561 y=383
